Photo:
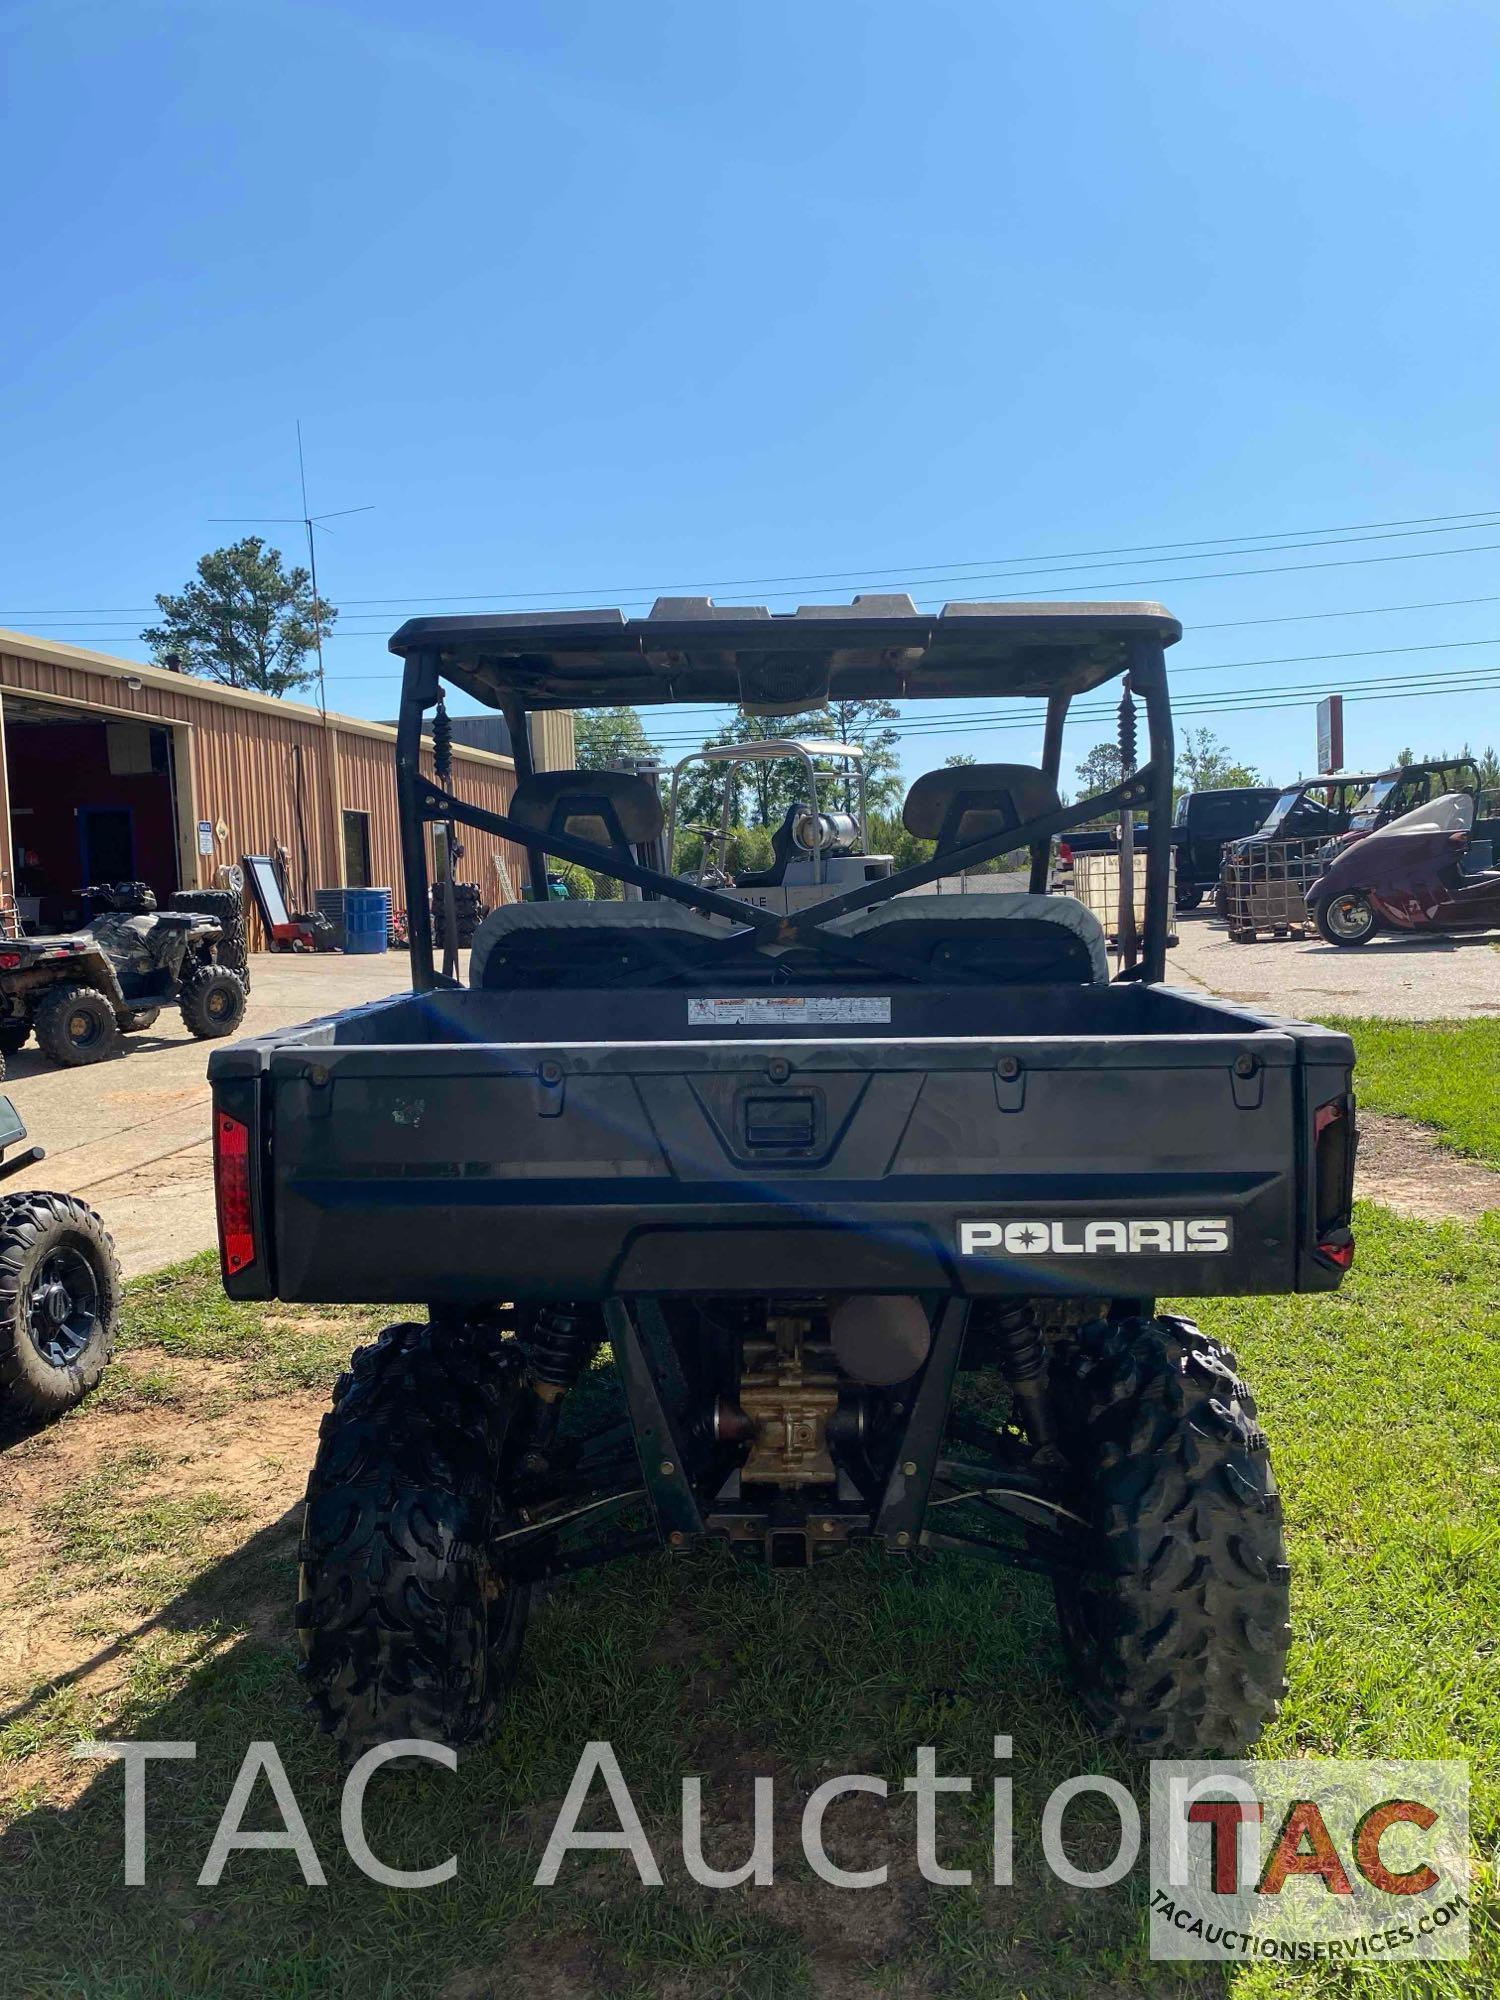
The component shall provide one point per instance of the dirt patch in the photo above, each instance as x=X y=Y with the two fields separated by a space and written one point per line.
x=1401 y=1165
x=250 y=1454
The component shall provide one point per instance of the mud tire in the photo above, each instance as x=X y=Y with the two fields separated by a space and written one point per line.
x=58 y=1036
x=408 y=1624
x=229 y=908
x=211 y=1001
x=48 y=1363
x=1179 y=1646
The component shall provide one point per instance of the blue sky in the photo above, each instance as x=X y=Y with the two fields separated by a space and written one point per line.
x=586 y=300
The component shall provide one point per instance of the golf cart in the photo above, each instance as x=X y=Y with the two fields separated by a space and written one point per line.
x=59 y=1291
x=814 y=853
x=80 y=991
x=1422 y=872
x=804 y=1171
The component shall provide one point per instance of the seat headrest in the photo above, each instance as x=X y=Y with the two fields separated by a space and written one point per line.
x=583 y=802
x=965 y=802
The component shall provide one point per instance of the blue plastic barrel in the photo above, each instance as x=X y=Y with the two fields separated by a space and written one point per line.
x=367 y=919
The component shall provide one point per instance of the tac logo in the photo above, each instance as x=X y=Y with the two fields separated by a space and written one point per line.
x=1316 y=1860
x=1175 y=1236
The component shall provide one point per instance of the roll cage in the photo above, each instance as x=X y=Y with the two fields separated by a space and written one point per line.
x=782 y=664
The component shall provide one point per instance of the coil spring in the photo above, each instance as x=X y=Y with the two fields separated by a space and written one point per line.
x=1020 y=1341
x=1127 y=734
x=560 y=1345
x=442 y=743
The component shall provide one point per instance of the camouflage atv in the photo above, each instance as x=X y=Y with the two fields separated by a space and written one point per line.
x=78 y=992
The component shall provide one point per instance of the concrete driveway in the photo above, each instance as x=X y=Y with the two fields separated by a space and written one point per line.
x=1401 y=978
x=131 y=1135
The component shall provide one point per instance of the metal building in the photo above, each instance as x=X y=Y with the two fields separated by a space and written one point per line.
x=110 y=770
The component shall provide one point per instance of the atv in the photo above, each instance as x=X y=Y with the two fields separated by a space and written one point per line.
x=78 y=992
x=59 y=1291
x=871 y=1195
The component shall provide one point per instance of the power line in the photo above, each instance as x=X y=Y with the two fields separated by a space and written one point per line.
x=874 y=575
x=1475 y=680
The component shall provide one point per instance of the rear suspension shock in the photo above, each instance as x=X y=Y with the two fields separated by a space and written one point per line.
x=1023 y=1360
x=560 y=1344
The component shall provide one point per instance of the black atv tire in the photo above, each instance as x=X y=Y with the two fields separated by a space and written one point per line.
x=211 y=1000
x=408 y=1625
x=14 y=1035
x=230 y=911
x=1180 y=1645
x=59 y=1298
x=1346 y=920
x=1189 y=896
x=139 y=1018
x=75 y=1025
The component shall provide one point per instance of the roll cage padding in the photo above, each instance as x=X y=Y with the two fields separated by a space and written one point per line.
x=972 y=801
x=1032 y=939
x=1053 y=938
x=577 y=937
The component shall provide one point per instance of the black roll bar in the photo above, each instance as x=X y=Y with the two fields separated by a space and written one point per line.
x=421 y=800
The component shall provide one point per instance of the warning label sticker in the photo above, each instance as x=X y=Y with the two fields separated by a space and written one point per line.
x=765 y=1010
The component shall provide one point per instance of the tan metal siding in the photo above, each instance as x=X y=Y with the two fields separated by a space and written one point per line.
x=240 y=769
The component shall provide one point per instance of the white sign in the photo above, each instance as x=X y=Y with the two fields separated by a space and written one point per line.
x=785 y=1010
x=205 y=836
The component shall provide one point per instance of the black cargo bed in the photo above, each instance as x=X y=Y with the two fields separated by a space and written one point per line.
x=440 y=1148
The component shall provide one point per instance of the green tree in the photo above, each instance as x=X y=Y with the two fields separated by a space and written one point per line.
x=1099 y=771
x=601 y=736
x=1204 y=764
x=244 y=619
x=868 y=723
x=958 y=759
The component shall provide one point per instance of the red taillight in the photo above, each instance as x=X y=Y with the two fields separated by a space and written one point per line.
x=1333 y=1191
x=232 y=1193
x=9 y=960
x=1064 y=854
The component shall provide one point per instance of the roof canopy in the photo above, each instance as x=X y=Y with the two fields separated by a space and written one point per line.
x=690 y=649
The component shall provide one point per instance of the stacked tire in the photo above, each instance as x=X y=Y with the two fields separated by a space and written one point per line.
x=469 y=910
x=230 y=911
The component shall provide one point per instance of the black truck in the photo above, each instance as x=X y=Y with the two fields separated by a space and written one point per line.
x=1201 y=826
x=871 y=1201
x=1204 y=823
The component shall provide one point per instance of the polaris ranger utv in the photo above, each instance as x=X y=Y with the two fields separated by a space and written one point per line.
x=797 y=1168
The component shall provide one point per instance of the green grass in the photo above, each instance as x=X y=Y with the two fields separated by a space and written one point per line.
x=1383 y=1407
x=183 y=1313
x=1444 y=1073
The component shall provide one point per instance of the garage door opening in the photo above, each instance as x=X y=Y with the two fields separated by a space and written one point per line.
x=92 y=799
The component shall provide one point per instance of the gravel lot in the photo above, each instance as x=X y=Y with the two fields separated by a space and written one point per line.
x=1402 y=979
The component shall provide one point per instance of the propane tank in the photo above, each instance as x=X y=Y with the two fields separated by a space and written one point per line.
x=826 y=833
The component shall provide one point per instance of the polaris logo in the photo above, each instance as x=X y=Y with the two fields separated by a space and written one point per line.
x=1200 y=1236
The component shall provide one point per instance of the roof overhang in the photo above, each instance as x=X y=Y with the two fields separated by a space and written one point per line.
x=690 y=649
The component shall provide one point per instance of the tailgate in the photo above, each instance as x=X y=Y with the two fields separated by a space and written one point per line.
x=1107 y=1166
